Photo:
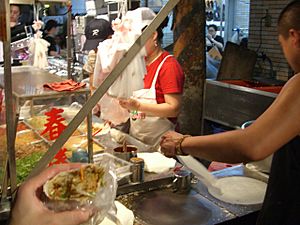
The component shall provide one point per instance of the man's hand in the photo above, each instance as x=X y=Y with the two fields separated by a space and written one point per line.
x=29 y=209
x=168 y=143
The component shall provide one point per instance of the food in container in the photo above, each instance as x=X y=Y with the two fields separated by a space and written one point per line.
x=26 y=164
x=47 y=135
x=76 y=142
x=21 y=126
x=80 y=185
x=27 y=149
x=97 y=128
x=27 y=142
x=37 y=122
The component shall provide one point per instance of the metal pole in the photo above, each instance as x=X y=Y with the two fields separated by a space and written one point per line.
x=93 y=100
x=69 y=40
x=10 y=118
x=221 y=19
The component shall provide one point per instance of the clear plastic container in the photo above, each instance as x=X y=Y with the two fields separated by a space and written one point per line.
x=122 y=166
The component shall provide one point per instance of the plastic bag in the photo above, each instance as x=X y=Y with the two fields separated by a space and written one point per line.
x=112 y=50
x=38 y=47
x=103 y=202
x=112 y=111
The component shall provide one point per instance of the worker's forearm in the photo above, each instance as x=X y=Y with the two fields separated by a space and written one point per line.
x=223 y=147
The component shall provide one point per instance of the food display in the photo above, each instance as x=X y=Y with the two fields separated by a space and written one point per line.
x=22 y=126
x=26 y=137
x=80 y=184
x=47 y=136
x=97 y=128
x=26 y=143
x=25 y=150
x=76 y=142
x=37 y=122
x=26 y=164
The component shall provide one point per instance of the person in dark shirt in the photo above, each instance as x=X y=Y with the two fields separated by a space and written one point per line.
x=15 y=13
x=50 y=32
x=213 y=58
x=276 y=131
x=212 y=39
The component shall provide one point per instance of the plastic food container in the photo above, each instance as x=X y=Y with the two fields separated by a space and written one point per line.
x=122 y=166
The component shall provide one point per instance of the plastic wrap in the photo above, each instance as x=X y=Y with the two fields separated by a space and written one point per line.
x=112 y=111
x=101 y=202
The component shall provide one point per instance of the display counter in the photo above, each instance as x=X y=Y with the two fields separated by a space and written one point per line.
x=232 y=103
x=27 y=85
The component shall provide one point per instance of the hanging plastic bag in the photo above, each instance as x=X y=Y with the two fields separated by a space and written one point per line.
x=38 y=47
x=112 y=50
x=110 y=53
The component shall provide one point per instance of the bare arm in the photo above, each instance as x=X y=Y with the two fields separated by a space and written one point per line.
x=170 y=108
x=218 y=44
x=274 y=128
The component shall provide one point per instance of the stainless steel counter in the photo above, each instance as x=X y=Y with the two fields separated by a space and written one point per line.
x=155 y=203
x=232 y=105
x=28 y=83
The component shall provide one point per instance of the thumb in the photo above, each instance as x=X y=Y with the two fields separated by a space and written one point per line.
x=75 y=217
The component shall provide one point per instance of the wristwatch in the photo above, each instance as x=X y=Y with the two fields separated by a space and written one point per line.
x=178 y=150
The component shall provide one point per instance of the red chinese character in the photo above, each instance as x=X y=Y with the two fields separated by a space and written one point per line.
x=55 y=127
x=60 y=157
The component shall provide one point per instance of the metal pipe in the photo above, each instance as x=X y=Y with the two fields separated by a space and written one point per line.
x=10 y=118
x=69 y=40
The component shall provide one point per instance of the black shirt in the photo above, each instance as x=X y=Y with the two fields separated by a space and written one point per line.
x=52 y=42
x=282 y=201
x=218 y=39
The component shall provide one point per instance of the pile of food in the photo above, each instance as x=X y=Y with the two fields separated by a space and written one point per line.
x=26 y=164
x=37 y=122
x=80 y=184
x=29 y=149
x=97 y=128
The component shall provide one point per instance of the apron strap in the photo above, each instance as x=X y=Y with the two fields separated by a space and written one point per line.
x=157 y=71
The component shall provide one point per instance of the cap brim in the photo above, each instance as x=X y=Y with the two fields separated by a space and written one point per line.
x=91 y=44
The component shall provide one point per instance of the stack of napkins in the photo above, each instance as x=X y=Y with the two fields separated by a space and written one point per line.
x=124 y=216
x=156 y=162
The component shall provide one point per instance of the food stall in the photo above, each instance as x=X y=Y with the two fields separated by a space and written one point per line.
x=141 y=190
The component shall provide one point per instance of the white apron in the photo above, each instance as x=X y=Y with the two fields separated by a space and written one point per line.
x=147 y=128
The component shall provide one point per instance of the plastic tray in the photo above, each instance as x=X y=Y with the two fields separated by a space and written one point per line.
x=122 y=166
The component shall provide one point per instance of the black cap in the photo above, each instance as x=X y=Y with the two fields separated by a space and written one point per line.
x=50 y=24
x=96 y=30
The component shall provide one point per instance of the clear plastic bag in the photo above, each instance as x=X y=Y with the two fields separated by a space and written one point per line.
x=112 y=111
x=111 y=51
x=102 y=203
